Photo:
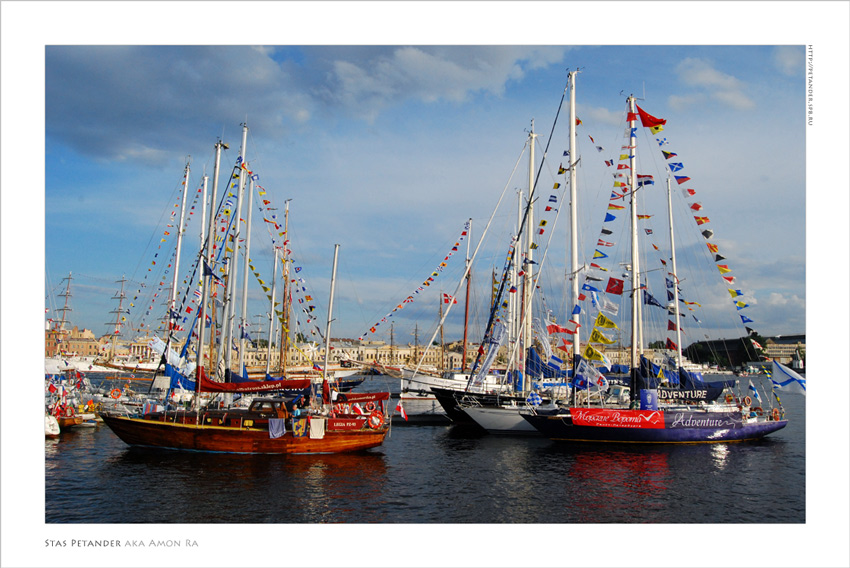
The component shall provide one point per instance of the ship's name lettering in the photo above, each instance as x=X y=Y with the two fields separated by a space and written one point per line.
x=607 y=418
x=690 y=422
x=684 y=394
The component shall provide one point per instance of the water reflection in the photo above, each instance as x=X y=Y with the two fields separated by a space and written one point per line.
x=203 y=487
x=431 y=474
x=719 y=454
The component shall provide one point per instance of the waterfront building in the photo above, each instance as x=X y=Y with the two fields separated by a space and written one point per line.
x=79 y=342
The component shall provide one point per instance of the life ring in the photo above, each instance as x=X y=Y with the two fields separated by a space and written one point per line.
x=757 y=410
x=747 y=401
x=68 y=412
x=775 y=414
x=729 y=397
x=115 y=393
x=370 y=407
x=376 y=420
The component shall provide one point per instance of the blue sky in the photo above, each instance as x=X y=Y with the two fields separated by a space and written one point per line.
x=389 y=149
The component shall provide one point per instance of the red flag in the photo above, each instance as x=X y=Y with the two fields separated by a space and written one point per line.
x=401 y=411
x=647 y=120
x=671 y=326
x=448 y=299
x=615 y=286
x=670 y=344
x=555 y=328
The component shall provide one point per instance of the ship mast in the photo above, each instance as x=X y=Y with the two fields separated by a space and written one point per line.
x=528 y=282
x=60 y=325
x=466 y=304
x=172 y=304
x=271 y=315
x=207 y=278
x=675 y=276
x=284 y=328
x=243 y=334
x=573 y=159
x=227 y=340
x=635 y=259
x=118 y=318
x=330 y=318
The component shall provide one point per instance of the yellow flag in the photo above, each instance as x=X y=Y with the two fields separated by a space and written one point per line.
x=591 y=353
x=604 y=322
x=597 y=337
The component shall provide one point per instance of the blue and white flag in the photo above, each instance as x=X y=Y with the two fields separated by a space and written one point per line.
x=754 y=392
x=534 y=399
x=588 y=376
x=784 y=379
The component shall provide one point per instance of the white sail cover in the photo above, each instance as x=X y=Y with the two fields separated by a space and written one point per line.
x=173 y=358
x=495 y=341
x=785 y=379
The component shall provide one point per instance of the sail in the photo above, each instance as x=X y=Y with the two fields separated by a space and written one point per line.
x=495 y=341
x=179 y=380
x=158 y=345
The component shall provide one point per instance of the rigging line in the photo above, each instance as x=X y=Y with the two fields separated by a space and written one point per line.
x=525 y=216
x=471 y=262
x=528 y=308
x=172 y=197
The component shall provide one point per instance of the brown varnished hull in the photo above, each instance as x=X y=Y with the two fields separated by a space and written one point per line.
x=69 y=421
x=227 y=439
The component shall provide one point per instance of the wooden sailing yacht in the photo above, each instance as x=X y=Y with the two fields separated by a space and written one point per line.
x=302 y=416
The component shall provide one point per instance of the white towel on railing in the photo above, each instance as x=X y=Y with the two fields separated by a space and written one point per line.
x=317 y=428
x=277 y=427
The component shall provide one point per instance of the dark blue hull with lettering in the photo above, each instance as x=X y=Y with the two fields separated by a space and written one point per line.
x=561 y=428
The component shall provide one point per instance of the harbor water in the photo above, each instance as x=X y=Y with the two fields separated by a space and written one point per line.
x=435 y=474
x=432 y=477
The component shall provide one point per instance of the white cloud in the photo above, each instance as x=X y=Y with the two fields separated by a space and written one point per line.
x=734 y=99
x=789 y=59
x=777 y=300
x=367 y=81
x=602 y=115
x=681 y=102
x=699 y=74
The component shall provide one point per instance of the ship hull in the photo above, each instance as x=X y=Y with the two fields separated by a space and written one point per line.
x=502 y=420
x=651 y=427
x=238 y=440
